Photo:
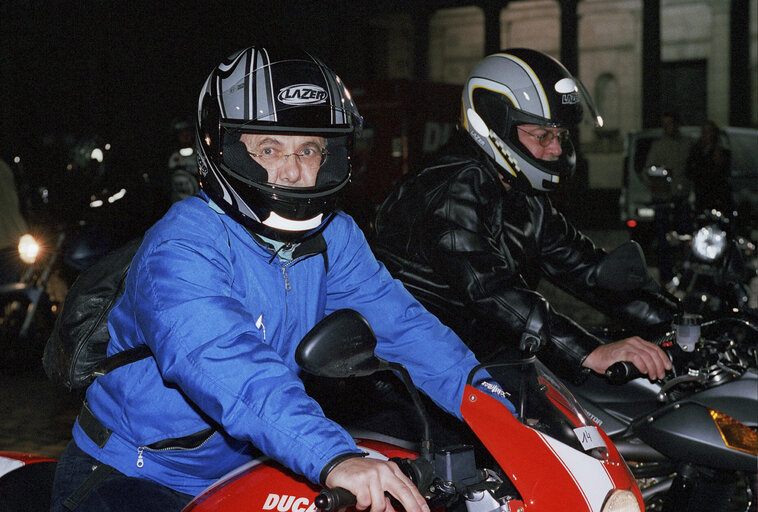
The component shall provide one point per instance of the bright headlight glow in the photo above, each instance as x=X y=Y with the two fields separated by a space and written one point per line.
x=28 y=249
x=621 y=501
x=186 y=151
x=709 y=242
x=118 y=195
x=97 y=154
x=735 y=435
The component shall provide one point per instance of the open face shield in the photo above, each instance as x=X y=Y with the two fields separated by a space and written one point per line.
x=570 y=105
x=520 y=87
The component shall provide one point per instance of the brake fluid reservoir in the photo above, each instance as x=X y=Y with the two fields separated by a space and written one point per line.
x=688 y=331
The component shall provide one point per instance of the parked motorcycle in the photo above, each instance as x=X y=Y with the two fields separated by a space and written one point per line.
x=548 y=457
x=717 y=271
x=27 y=307
x=183 y=174
x=93 y=207
x=711 y=254
x=691 y=439
x=22 y=482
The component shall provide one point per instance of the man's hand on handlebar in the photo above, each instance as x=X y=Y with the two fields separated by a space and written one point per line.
x=369 y=479
x=649 y=358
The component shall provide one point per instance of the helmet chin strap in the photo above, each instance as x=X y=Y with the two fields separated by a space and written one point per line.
x=275 y=221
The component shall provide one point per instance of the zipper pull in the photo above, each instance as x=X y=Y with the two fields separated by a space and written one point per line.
x=140 y=460
x=287 y=286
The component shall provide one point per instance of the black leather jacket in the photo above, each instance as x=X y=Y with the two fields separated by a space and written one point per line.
x=473 y=252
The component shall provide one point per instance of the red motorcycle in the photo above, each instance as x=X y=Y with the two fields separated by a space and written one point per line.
x=547 y=456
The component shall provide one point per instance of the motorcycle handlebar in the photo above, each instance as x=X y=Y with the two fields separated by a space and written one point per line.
x=335 y=498
x=622 y=372
x=419 y=470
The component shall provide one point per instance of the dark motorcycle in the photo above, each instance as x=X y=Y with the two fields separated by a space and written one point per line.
x=717 y=271
x=183 y=174
x=691 y=439
x=77 y=218
x=27 y=306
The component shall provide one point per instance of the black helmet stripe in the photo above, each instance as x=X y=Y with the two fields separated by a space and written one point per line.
x=529 y=78
x=340 y=114
x=333 y=91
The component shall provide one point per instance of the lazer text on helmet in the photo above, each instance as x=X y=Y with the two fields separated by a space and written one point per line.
x=302 y=94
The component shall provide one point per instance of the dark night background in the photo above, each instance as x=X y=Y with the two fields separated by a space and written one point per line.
x=124 y=70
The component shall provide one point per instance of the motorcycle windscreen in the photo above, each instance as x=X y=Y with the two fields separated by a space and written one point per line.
x=551 y=451
x=543 y=403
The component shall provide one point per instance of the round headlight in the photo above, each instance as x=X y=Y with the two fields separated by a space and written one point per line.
x=28 y=249
x=709 y=243
x=621 y=501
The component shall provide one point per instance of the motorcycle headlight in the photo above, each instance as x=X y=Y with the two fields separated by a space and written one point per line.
x=735 y=435
x=709 y=243
x=28 y=249
x=621 y=501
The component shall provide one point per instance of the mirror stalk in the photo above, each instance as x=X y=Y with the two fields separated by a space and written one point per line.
x=426 y=440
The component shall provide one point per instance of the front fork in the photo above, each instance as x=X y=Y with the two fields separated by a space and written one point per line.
x=699 y=489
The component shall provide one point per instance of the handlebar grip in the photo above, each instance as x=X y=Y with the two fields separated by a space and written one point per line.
x=334 y=499
x=622 y=372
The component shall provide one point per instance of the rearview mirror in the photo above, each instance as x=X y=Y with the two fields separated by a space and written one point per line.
x=624 y=268
x=341 y=345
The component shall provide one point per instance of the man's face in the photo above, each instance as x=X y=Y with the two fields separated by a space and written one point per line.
x=543 y=142
x=289 y=160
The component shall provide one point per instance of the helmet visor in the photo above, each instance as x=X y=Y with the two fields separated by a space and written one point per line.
x=318 y=163
x=503 y=112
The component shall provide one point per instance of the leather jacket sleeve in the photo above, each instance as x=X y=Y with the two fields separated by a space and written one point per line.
x=569 y=260
x=455 y=258
x=451 y=236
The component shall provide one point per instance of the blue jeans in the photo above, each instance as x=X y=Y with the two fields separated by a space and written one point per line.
x=116 y=492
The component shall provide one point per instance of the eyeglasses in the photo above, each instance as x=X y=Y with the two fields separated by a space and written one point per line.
x=307 y=156
x=546 y=138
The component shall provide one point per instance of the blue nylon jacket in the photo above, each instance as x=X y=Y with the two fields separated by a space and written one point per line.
x=223 y=318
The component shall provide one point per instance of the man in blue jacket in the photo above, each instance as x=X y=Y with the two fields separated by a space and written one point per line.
x=222 y=290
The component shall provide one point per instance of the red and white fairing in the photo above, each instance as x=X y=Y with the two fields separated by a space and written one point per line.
x=549 y=474
x=11 y=461
x=264 y=485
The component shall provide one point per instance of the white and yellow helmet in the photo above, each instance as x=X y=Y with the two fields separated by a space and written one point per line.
x=522 y=86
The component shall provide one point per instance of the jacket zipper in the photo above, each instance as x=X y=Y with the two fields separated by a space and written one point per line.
x=287 y=286
x=140 y=449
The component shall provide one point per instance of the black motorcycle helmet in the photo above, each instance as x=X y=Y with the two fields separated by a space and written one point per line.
x=522 y=86
x=273 y=91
